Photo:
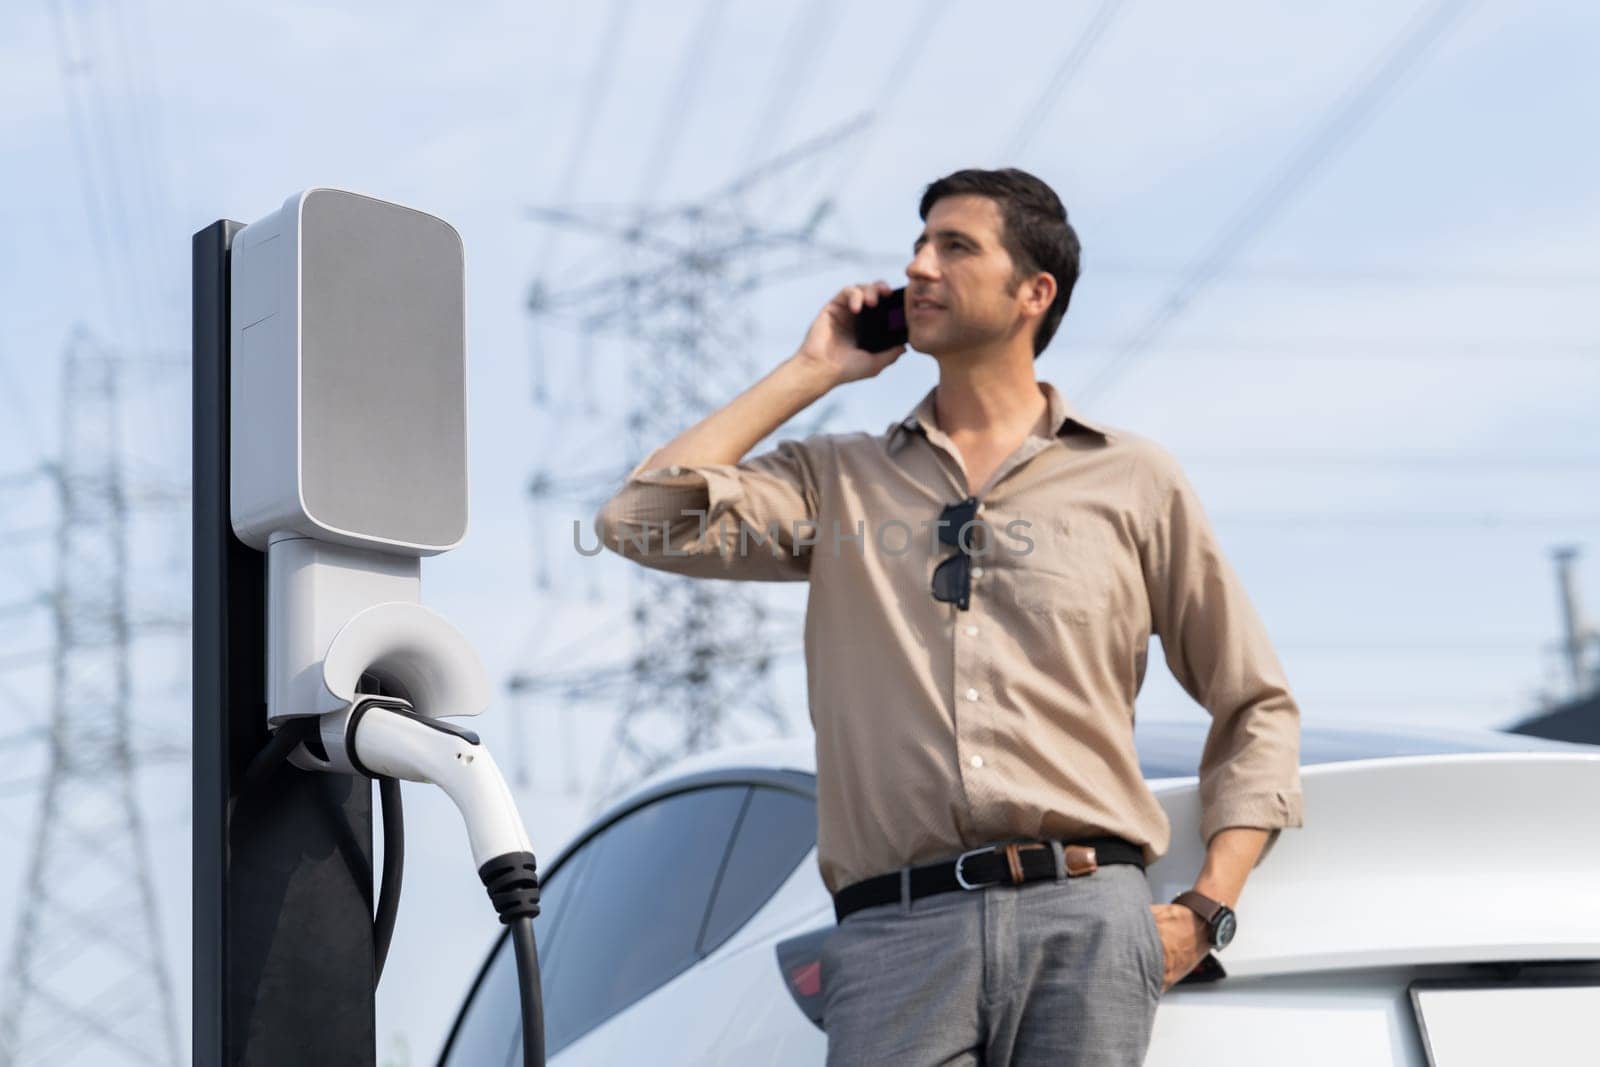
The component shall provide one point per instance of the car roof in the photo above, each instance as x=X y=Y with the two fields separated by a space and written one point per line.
x=1167 y=749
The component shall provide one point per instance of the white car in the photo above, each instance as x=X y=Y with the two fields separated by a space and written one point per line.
x=1440 y=906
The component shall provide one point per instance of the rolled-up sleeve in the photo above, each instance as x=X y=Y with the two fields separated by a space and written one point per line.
x=754 y=520
x=1217 y=648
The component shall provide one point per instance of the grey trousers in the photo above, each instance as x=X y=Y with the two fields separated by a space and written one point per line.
x=1065 y=973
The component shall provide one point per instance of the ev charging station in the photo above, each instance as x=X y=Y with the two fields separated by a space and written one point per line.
x=330 y=457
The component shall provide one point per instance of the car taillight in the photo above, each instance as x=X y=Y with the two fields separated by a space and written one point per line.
x=806 y=980
x=800 y=962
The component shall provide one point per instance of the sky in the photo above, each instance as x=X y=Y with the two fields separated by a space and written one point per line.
x=1337 y=260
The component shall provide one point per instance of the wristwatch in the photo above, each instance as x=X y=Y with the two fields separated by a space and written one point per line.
x=1218 y=917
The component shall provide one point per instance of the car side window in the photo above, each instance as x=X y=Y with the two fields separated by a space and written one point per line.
x=491 y=1024
x=634 y=918
x=491 y=1021
x=776 y=831
x=635 y=906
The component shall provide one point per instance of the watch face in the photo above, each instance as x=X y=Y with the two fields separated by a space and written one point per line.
x=1223 y=931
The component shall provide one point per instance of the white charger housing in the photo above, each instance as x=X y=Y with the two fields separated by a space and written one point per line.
x=349 y=411
x=349 y=446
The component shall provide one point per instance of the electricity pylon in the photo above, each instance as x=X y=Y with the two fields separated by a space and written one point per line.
x=88 y=981
x=700 y=671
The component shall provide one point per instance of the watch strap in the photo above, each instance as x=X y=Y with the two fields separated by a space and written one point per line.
x=1200 y=904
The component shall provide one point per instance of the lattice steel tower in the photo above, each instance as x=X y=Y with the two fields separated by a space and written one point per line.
x=87 y=981
x=700 y=673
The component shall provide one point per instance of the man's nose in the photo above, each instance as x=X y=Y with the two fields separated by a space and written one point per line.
x=922 y=264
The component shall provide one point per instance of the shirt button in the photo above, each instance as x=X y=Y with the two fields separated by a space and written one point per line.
x=977 y=572
x=972 y=694
x=972 y=631
x=977 y=761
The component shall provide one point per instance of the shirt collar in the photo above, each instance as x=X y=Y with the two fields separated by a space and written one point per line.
x=1063 y=416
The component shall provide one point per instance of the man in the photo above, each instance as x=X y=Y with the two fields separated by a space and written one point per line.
x=984 y=579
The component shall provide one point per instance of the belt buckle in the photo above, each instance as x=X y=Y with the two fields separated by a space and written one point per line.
x=961 y=881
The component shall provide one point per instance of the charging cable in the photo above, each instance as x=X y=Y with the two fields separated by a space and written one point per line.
x=385 y=739
x=285 y=739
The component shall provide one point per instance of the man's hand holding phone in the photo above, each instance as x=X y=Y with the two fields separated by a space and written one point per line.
x=829 y=356
x=830 y=350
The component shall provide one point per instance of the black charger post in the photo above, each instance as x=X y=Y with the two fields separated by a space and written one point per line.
x=283 y=932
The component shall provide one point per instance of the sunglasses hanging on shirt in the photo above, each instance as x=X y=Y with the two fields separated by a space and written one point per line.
x=952 y=578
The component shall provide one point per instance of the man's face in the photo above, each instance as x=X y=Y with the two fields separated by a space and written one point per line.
x=960 y=294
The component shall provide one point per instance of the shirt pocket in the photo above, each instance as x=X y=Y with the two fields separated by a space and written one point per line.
x=1068 y=575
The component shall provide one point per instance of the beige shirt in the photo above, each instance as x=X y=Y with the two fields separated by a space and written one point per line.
x=937 y=729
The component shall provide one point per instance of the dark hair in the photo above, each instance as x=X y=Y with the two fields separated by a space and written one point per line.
x=1034 y=231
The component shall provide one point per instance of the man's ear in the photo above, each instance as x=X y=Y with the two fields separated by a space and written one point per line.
x=1041 y=290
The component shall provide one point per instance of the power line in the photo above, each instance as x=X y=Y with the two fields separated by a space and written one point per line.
x=804 y=43
x=158 y=206
x=1262 y=209
x=1071 y=63
x=99 y=231
x=77 y=57
x=596 y=89
x=681 y=100
x=913 y=43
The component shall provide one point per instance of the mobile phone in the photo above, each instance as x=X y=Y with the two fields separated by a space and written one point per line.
x=883 y=327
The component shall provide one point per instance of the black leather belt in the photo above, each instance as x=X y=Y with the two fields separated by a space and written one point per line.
x=1010 y=863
